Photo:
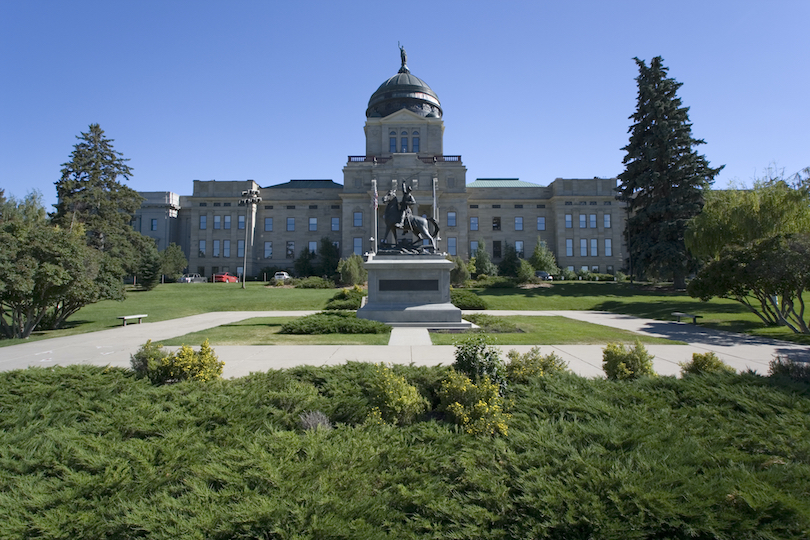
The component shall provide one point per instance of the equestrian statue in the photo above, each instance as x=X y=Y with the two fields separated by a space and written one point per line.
x=398 y=215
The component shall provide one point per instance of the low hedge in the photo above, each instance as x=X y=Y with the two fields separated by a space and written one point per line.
x=467 y=300
x=335 y=322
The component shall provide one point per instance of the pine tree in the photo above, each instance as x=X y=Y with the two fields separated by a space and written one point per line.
x=664 y=178
x=90 y=193
x=543 y=259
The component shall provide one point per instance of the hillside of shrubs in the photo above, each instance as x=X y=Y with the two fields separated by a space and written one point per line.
x=485 y=448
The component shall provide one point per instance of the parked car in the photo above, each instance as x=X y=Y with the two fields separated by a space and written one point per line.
x=192 y=278
x=281 y=276
x=225 y=277
x=545 y=276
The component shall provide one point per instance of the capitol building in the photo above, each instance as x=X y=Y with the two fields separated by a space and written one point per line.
x=579 y=219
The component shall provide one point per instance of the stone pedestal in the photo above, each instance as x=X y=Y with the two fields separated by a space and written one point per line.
x=410 y=290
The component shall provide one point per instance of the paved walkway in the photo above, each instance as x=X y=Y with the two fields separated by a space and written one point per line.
x=407 y=345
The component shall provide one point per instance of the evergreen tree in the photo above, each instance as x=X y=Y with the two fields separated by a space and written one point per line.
x=90 y=193
x=543 y=259
x=172 y=261
x=483 y=263
x=329 y=259
x=304 y=265
x=510 y=264
x=664 y=178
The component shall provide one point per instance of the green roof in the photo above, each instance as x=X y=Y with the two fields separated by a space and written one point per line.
x=306 y=184
x=501 y=183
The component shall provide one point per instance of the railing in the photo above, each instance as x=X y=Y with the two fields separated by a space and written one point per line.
x=440 y=159
x=368 y=159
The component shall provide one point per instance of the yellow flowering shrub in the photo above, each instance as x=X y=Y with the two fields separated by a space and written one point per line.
x=396 y=401
x=184 y=364
x=620 y=363
x=477 y=408
x=522 y=367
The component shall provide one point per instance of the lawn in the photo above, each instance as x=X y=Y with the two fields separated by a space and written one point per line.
x=88 y=452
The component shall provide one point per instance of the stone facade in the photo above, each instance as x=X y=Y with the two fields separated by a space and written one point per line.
x=580 y=219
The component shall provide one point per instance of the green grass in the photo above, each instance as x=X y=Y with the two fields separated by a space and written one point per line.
x=556 y=331
x=264 y=331
x=87 y=452
x=179 y=300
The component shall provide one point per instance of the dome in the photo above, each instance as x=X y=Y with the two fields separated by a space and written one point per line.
x=404 y=91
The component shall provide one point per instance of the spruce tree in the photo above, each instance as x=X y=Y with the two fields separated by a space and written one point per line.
x=664 y=178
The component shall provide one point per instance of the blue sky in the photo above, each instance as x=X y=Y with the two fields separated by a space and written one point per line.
x=274 y=91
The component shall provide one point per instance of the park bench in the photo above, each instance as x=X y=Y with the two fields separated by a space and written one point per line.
x=694 y=318
x=126 y=318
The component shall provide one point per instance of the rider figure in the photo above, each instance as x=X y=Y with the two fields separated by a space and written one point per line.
x=404 y=206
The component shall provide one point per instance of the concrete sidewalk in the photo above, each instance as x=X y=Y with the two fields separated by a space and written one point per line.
x=406 y=346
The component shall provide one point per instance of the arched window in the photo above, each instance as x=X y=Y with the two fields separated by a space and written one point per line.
x=404 y=141
x=392 y=141
x=415 y=142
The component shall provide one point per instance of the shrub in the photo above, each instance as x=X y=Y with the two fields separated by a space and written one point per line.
x=346 y=299
x=705 y=363
x=495 y=282
x=525 y=273
x=477 y=408
x=352 y=271
x=797 y=370
x=621 y=364
x=460 y=273
x=333 y=322
x=314 y=282
x=477 y=359
x=397 y=401
x=567 y=274
x=466 y=300
x=162 y=367
x=492 y=323
x=483 y=264
x=314 y=420
x=522 y=367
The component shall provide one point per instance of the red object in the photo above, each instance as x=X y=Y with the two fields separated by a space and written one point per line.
x=225 y=278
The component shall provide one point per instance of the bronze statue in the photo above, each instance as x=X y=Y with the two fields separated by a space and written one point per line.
x=403 y=55
x=398 y=215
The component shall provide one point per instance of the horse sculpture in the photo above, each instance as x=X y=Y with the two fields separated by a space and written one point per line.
x=399 y=213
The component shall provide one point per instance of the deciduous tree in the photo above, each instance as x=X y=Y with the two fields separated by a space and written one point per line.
x=543 y=259
x=172 y=261
x=664 y=177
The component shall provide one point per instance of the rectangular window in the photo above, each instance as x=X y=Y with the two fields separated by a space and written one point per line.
x=569 y=221
x=594 y=249
x=239 y=271
x=358 y=246
x=404 y=141
x=358 y=219
x=583 y=221
x=216 y=248
x=335 y=224
x=519 y=248
x=451 y=219
x=202 y=248
x=313 y=224
x=607 y=221
x=226 y=248
x=214 y=270
x=203 y=222
x=496 y=224
x=609 y=269
x=541 y=223
x=313 y=247
x=451 y=246
x=392 y=144
x=290 y=250
x=473 y=247
x=415 y=144
x=518 y=223
x=608 y=247
x=268 y=250
x=595 y=268
x=473 y=223
x=268 y=224
x=583 y=247
x=569 y=247
x=290 y=223
x=496 y=249
x=227 y=222
x=217 y=222
x=154 y=225
x=593 y=221
x=240 y=248
x=240 y=223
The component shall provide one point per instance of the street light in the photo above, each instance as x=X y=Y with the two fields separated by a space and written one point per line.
x=250 y=198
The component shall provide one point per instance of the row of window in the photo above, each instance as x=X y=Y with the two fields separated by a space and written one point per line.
x=496 y=223
x=268 y=248
x=224 y=222
x=594 y=247
x=586 y=221
x=403 y=140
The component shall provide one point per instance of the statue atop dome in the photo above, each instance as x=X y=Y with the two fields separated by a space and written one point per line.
x=404 y=57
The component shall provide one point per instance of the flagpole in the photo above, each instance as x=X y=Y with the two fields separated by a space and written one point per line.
x=374 y=205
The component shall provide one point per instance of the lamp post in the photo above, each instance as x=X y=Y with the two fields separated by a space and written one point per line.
x=250 y=198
